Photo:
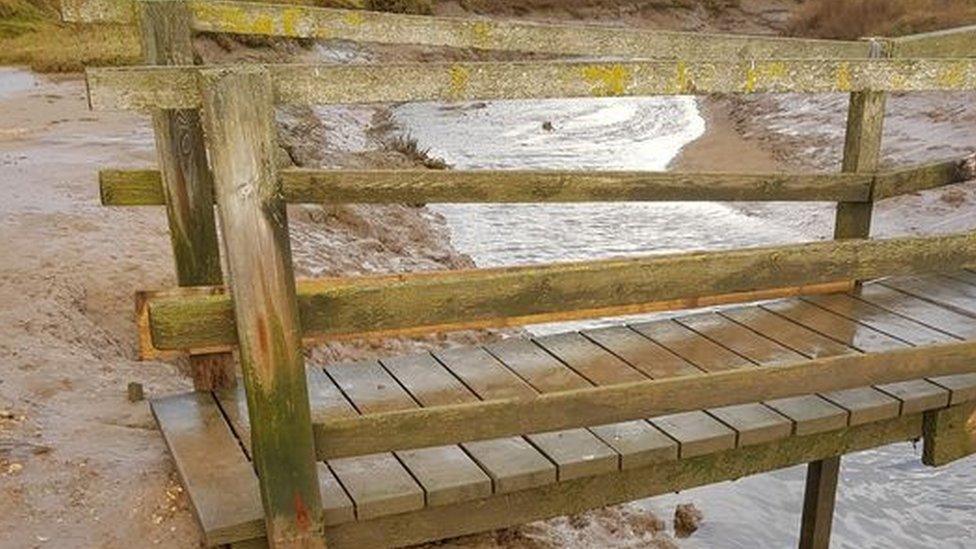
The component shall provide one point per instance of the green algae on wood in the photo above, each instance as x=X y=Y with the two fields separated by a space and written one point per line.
x=143 y=88
x=239 y=118
x=334 y=307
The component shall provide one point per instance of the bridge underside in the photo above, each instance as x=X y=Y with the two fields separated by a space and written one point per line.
x=414 y=496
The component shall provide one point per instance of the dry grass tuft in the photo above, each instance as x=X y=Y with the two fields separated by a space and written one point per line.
x=852 y=19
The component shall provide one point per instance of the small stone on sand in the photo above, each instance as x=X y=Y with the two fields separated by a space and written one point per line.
x=687 y=519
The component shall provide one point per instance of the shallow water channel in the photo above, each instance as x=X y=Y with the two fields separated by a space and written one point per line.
x=886 y=497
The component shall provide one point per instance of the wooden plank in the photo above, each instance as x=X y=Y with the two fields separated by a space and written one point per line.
x=957 y=42
x=624 y=402
x=862 y=152
x=446 y=473
x=481 y=33
x=140 y=187
x=808 y=413
x=239 y=121
x=653 y=360
x=803 y=327
x=143 y=88
x=919 y=310
x=217 y=476
x=922 y=177
x=451 y=300
x=753 y=423
x=337 y=507
x=637 y=442
x=378 y=484
x=506 y=461
x=186 y=181
x=576 y=452
x=962 y=387
x=880 y=319
x=593 y=492
x=501 y=186
x=960 y=298
x=493 y=34
x=949 y=434
x=843 y=315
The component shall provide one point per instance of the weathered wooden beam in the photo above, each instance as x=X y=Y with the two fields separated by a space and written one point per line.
x=630 y=401
x=143 y=187
x=818 y=503
x=491 y=34
x=958 y=42
x=461 y=299
x=429 y=186
x=142 y=88
x=239 y=117
x=186 y=182
x=137 y=187
x=578 y=495
x=924 y=176
x=949 y=434
x=123 y=11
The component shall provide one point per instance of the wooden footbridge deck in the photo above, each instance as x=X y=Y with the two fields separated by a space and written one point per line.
x=417 y=495
x=818 y=349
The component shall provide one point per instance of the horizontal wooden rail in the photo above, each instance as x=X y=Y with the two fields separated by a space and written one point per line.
x=145 y=88
x=503 y=296
x=143 y=187
x=958 y=42
x=409 y=429
x=924 y=176
x=481 y=33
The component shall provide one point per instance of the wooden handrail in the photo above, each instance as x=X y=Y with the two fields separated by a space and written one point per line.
x=143 y=187
x=410 y=429
x=544 y=293
x=144 y=88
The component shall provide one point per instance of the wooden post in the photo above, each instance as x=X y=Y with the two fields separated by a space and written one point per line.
x=238 y=115
x=862 y=154
x=188 y=186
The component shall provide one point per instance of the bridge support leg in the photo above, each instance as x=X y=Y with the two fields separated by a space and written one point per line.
x=238 y=115
x=818 y=503
x=167 y=40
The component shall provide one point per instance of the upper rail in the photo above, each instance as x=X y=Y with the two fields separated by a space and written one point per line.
x=481 y=33
x=146 y=88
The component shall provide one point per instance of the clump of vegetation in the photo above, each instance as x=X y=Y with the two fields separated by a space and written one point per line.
x=852 y=19
x=31 y=33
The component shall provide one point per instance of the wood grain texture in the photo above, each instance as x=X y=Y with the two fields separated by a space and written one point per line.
x=239 y=120
x=143 y=88
x=912 y=179
x=390 y=28
x=186 y=182
x=957 y=42
x=625 y=402
x=451 y=300
x=587 y=493
x=949 y=434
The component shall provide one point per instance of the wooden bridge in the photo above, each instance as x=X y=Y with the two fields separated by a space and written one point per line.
x=834 y=347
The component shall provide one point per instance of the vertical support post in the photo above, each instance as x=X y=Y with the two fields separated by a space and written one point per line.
x=862 y=154
x=818 y=503
x=238 y=116
x=167 y=40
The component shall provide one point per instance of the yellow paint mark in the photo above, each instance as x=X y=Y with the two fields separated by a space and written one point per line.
x=459 y=80
x=290 y=18
x=481 y=32
x=843 y=78
x=354 y=18
x=952 y=77
x=607 y=80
